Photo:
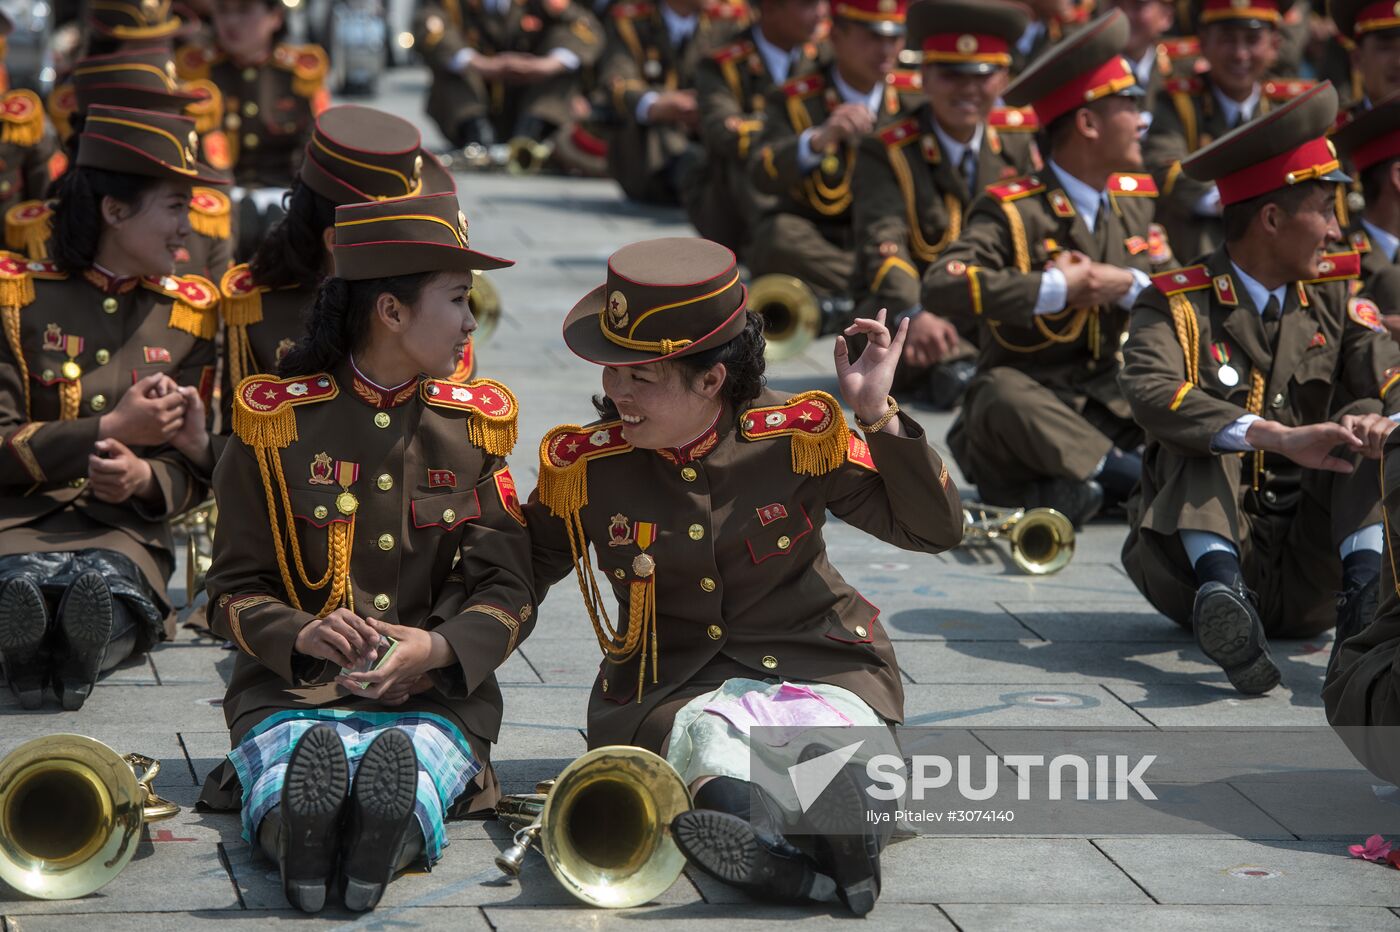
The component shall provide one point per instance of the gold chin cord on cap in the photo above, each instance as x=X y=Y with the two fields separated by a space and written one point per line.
x=661 y=347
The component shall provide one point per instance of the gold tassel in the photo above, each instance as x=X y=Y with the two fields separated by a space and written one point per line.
x=199 y=323
x=496 y=435
x=819 y=454
x=208 y=111
x=239 y=312
x=274 y=430
x=70 y=396
x=16 y=292
x=26 y=132
x=214 y=226
x=29 y=236
x=9 y=318
x=562 y=489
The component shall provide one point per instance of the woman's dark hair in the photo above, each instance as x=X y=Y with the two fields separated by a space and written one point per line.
x=77 y=222
x=294 y=251
x=743 y=363
x=338 y=323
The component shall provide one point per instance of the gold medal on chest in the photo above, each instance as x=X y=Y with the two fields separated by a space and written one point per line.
x=346 y=503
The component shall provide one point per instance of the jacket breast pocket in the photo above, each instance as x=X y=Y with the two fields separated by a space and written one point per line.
x=779 y=537
x=447 y=511
x=315 y=508
x=1319 y=362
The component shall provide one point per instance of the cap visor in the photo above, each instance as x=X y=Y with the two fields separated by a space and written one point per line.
x=1337 y=175
x=966 y=67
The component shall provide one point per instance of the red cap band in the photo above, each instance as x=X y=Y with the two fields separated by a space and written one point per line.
x=966 y=47
x=1377 y=16
x=1112 y=77
x=871 y=11
x=1377 y=151
x=1213 y=11
x=1313 y=159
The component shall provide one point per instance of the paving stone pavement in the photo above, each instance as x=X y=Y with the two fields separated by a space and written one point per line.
x=979 y=644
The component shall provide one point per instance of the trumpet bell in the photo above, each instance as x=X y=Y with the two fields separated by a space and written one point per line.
x=71 y=811
x=526 y=156
x=1042 y=542
x=485 y=302
x=792 y=318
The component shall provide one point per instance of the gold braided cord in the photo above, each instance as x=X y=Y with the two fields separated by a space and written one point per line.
x=296 y=546
x=9 y=319
x=1018 y=237
x=825 y=199
x=1255 y=405
x=1188 y=334
x=70 y=396
x=340 y=541
x=1186 y=111
x=261 y=454
x=922 y=248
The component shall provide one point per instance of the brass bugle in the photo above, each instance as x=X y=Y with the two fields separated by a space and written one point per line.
x=71 y=813
x=485 y=302
x=1041 y=539
x=198 y=524
x=525 y=156
x=792 y=318
x=603 y=826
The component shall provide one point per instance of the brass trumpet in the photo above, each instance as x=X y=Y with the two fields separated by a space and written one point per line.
x=524 y=156
x=792 y=318
x=1042 y=539
x=604 y=826
x=71 y=812
x=198 y=524
x=485 y=303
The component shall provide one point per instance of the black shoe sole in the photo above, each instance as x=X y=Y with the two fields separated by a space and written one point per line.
x=848 y=845
x=85 y=618
x=1232 y=636
x=314 y=791
x=381 y=803
x=729 y=849
x=23 y=621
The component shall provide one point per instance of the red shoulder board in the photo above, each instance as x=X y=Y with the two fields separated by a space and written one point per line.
x=1360 y=241
x=1182 y=280
x=905 y=79
x=263 y=394
x=804 y=86
x=1015 y=119
x=1286 y=88
x=210 y=202
x=196 y=291
x=45 y=269
x=724 y=10
x=13 y=266
x=483 y=396
x=566 y=445
x=632 y=10
x=305 y=61
x=1016 y=188
x=238 y=282
x=1190 y=86
x=1132 y=185
x=900 y=133
x=809 y=413
x=1338 y=266
x=1181 y=47
x=732 y=52
x=858 y=452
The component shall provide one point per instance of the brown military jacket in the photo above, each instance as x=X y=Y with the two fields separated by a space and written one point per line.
x=1186 y=118
x=29 y=154
x=1373 y=260
x=992 y=274
x=742 y=579
x=908 y=200
x=638 y=58
x=268 y=111
x=413 y=484
x=112 y=333
x=822 y=195
x=1327 y=343
x=261 y=325
x=442 y=28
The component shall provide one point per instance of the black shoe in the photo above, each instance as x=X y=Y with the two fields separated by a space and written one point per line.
x=380 y=818
x=848 y=843
x=24 y=620
x=1078 y=500
x=1356 y=609
x=948 y=381
x=1228 y=631
x=314 y=791
x=732 y=851
x=85 y=622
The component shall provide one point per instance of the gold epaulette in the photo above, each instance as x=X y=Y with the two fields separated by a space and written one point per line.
x=1180 y=281
x=564 y=455
x=240 y=305
x=262 y=407
x=210 y=210
x=193 y=62
x=308 y=65
x=820 y=437
x=21 y=118
x=61 y=105
x=208 y=110
x=493 y=425
x=28 y=226
x=1336 y=267
x=1016 y=188
x=16 y=280
x=196 y=303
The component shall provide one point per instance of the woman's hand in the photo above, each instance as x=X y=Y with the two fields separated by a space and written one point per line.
x=342 y=637
x=418 y=652
x=148 y=415
x=400 y=693
x=192 y=440
x=865 y=383
x=115 y=474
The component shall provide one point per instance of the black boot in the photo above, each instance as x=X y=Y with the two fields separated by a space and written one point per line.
x=313 y=804
x=849 y=842
x=948 y=381
x=24 y=620
x=743 y=848
x=380 y=825
x=1229 y=631
x=85 y=615
x=1078 y=500
x=1356 y=608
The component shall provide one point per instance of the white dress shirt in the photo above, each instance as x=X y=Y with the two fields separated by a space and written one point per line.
x=778 y=62
x=806 y=158
x=1382 y=241
x=678 y=30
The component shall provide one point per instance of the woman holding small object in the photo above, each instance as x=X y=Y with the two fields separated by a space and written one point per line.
x=372 y=566
x=703 y=494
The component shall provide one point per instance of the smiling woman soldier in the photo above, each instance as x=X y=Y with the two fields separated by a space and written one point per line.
x=368 y=518
x=703 y=495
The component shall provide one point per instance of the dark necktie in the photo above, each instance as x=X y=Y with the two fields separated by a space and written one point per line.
x=969 y=172
x=1101 y=231
x=1271 y=315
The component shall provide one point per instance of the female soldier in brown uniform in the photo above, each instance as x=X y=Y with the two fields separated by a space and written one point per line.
x=703 y=495
x=367 y=497
x=355 y=154
x=105 y=366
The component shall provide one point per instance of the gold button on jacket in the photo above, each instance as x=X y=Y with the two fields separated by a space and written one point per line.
x=744 y=595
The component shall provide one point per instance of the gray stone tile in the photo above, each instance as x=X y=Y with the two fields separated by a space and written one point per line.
x=1053 y=705
x=1145 y=662
x=434 y=918
x=747 y=916
x=161 y=877
x=1221 y=705
x=1051 y=918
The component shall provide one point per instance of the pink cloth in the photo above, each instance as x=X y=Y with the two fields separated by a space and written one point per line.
x=792 y=707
